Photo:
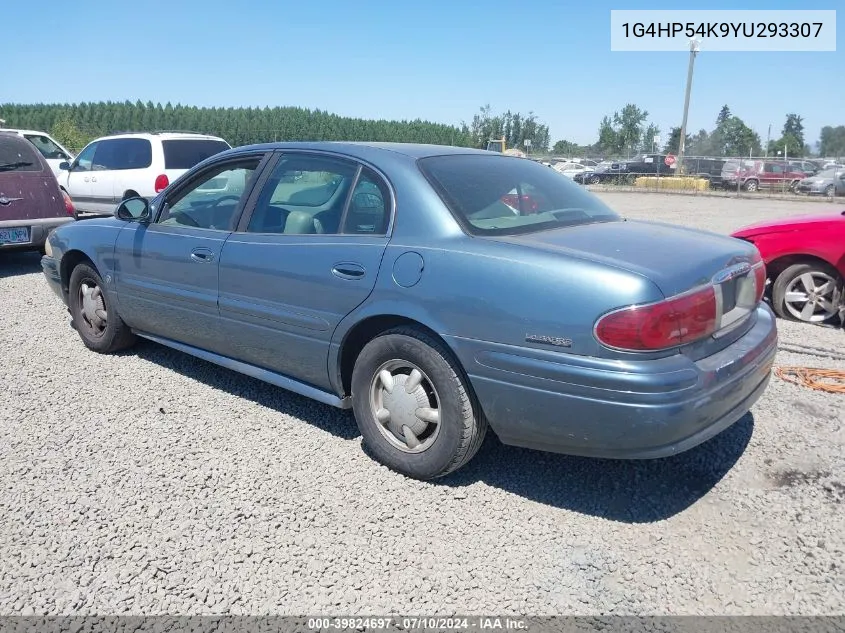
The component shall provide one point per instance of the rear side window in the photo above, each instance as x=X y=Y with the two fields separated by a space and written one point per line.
x=500 y=195
x=123 y=153
x=185 y=153
x=17 y=154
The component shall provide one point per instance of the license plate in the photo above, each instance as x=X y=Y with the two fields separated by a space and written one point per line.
x=15 y=235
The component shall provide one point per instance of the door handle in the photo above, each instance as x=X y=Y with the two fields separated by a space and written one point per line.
x=348 y=270
x=202 y=255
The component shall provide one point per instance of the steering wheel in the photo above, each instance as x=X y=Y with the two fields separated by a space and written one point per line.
x=180 y=215
x=222 y=198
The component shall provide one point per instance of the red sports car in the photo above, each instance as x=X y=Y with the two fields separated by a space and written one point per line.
x=805 y=262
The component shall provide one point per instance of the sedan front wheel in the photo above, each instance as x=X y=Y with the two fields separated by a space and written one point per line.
x=413 y=407
x=97 y=322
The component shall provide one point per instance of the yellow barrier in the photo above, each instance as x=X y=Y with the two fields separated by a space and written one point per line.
x=687 y=183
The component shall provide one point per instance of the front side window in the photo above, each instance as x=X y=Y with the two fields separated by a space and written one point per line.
x=213 y=200
x=304 y=195
x=500 y=195
x=85 y=160
x=46 y=146
x=124 y=153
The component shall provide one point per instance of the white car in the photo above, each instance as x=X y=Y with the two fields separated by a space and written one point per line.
x=570 y=169
x=113 y=168
x=53 y=151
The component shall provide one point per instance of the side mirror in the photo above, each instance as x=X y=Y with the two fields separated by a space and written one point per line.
x=64 y=165
x=133 y=210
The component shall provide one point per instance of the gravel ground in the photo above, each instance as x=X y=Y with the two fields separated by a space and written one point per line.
x=152 y=483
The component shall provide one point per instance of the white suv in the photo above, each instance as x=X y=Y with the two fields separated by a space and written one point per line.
x=113 y=168
x=47 y=146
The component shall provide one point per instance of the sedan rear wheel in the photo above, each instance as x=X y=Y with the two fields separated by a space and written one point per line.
x=807 y=292
x=98 y=324
x=413 y=407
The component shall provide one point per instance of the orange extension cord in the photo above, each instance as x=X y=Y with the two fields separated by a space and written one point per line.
x=829 y=380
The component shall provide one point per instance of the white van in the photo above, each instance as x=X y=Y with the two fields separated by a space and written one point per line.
x=113 y=168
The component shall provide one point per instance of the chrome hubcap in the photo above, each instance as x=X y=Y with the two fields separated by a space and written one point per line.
x=809 y=297
x=405 y=405
x=93 y=308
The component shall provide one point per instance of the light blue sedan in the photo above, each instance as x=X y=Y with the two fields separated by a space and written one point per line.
x=435 y=291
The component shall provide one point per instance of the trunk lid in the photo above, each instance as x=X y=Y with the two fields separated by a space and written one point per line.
x=28 y=187
x=675 y=258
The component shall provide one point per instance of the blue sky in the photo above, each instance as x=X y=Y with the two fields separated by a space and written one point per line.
x=437 y=60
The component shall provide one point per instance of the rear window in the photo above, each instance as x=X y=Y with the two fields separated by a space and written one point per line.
x=17 y=154
x=185 y=153
x=500 y=195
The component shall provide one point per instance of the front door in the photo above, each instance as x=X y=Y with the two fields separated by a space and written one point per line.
x=305 y=257
x=78 y=183
x=166 y=270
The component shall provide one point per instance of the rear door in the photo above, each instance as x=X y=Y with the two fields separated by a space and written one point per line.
x=29 y=193
x=305 y=257
x=122 y=166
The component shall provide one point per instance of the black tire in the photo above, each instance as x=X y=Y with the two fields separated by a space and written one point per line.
x=751 y=185
x=116 y=335
x=830 y=191
x=462 y=426
x=785 y=279
x=594 y=180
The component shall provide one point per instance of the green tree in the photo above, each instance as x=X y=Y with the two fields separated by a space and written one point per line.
x=673 y=144
x=832 y=141
x=629 y=127
x=724 y=115
x=648 y=145
x=608 y=141
x=66 y=132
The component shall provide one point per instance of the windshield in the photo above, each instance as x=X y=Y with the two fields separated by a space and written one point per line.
x=500 y=195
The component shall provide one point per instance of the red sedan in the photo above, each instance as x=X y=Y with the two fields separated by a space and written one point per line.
x=805 y=262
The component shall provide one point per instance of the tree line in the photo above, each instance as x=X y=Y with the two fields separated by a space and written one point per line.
x=625 y=133
x=75 y=125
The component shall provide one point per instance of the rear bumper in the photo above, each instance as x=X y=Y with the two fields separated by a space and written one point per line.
x=619 y=409
x=38 y=231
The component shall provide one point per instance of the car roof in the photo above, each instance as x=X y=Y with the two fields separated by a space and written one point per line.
x=159 y=135
x=366 y=149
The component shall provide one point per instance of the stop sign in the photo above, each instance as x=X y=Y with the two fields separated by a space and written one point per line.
x=669 y=160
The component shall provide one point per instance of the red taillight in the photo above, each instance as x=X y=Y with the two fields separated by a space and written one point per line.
x=662 y=325
x=161 y=183
x=68 y=202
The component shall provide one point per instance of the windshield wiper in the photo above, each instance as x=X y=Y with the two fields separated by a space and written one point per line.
x=10 y=166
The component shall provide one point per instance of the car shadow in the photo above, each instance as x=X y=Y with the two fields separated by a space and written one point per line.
x=338 y=422
x=18 y=263
x=629 y=491
x=635 y=491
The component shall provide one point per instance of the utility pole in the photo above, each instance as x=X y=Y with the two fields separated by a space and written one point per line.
x=768 y=138
x=694 y=47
